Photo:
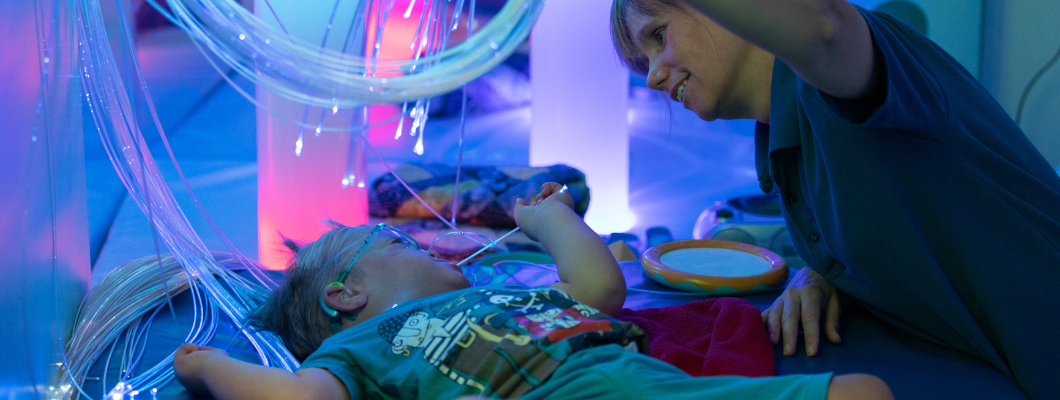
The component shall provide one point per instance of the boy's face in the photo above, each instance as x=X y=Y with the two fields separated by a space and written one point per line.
x=392 y=266
x=692 y=60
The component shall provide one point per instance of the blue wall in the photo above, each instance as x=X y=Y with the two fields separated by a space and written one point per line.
x=1019 y=38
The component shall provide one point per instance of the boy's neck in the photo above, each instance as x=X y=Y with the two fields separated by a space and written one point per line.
x=383 y=303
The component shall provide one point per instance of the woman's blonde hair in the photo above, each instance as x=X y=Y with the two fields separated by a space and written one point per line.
x=622 y=37
x=293 y=311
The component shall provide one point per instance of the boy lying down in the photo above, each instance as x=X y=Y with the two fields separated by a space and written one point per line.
x=398 y=323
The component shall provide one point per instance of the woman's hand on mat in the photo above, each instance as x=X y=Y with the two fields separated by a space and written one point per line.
x=187 y=364
x=530 y=214
x=803 y=300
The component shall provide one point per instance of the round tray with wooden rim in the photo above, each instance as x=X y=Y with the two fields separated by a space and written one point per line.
x=714 y=267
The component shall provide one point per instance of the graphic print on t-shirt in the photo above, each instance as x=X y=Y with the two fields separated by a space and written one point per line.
x=499 y=342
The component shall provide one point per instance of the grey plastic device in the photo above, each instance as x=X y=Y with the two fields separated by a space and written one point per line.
x=754 y=220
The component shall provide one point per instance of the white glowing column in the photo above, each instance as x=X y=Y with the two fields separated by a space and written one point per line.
x=581 y=94
x=296 y=192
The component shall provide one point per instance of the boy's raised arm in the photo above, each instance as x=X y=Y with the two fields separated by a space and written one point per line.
x=587 y=270
x=210 y=371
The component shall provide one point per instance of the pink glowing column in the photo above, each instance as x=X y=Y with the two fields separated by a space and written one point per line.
x=296 y=192
x=579 y=110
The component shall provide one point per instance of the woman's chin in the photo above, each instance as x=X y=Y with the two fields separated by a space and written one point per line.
x=707 y=115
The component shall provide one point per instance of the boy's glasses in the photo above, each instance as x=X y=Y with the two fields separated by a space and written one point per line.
x=399 y=235
x=408 y=241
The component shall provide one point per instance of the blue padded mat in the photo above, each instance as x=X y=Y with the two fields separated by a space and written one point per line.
x=913 y=368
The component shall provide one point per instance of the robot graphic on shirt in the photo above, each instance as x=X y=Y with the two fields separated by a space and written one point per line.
x=419 y=329
x=438 y=332
x=488 y=327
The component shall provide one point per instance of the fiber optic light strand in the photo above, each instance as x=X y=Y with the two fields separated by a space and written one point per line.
x=659 y=292
x=127 y=48
x=250 y=97
x=494 y=243
x=112 y=115
x=406 y=185
x=158 y=127
x=327 y=80
x=463 y=108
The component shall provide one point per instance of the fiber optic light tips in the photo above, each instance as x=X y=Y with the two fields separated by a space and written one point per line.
x=408 y=11
x=419 y=146
x=118 y=393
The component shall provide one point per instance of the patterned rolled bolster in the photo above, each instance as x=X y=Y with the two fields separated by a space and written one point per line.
x=487 y=194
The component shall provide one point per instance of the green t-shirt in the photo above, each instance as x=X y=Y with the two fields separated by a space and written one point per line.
x=498 y=340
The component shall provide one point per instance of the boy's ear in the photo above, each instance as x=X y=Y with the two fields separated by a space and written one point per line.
x=344 y=299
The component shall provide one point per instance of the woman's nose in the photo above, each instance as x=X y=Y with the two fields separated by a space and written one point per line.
x=657 y=77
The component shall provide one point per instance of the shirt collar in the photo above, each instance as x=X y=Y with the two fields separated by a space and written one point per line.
x=783 y=129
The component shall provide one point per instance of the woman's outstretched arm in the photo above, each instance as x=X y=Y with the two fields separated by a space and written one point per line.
x=826 y=42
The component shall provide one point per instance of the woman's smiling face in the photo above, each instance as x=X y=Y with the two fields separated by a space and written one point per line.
x=693 y=61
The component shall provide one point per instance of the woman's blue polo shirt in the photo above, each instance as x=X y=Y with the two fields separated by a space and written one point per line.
x=928 y=204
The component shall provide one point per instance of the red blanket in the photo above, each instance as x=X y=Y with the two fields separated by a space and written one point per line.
x=722 y=336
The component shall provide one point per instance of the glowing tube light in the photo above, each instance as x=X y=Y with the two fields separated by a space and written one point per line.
x=579 y=109
x=296 y=190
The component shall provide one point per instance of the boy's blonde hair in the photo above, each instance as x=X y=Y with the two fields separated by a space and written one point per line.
x=293 y=311
x=623 y=39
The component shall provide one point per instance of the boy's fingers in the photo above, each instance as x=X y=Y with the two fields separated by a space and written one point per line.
x=832 y=315
x=547 y=188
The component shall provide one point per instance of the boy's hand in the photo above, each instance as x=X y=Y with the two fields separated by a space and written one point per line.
x=528 y=214
x=187 y=364
x=587 y=270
